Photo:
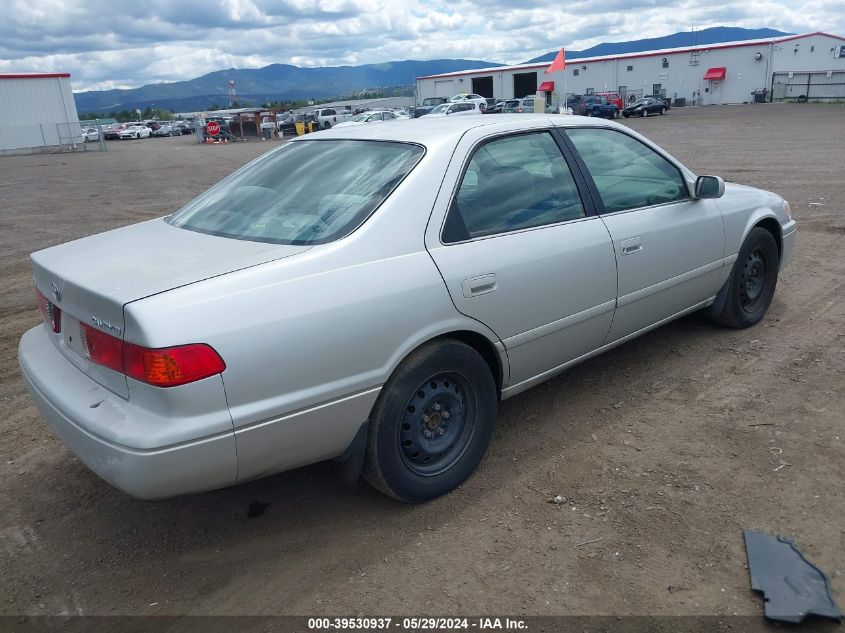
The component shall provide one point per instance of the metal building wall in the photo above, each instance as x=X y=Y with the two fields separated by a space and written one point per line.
x=749 y=67
x=37 y=111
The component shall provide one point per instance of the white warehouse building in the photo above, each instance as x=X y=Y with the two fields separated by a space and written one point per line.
x=806 y=67
x=39 y=112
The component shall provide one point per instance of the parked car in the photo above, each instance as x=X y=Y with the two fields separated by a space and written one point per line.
x=666 y=101
x=464 y=96
x=327 y=117
x=613 y=97
x=461 y=108
x=243 y=335
x=374 y=116
x=599 y=106
x=495 y=107
x=112 y=132
x=428 y=104
x=644 y=107
x=135 y=131
x=522 y=106
x=592 y=105
x=165 y=129
x=88 y=134
x=181 y=127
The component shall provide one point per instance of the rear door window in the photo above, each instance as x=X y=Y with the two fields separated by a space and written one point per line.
x=513 y=183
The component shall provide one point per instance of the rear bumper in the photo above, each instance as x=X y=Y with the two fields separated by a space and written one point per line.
x=62 y=393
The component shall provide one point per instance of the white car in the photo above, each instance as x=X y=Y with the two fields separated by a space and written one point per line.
x=373 y=116
x=89 y=134
x=460 y=108
x=464 y=96
x=135 y=131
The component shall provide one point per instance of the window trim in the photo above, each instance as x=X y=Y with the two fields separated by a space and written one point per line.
x=581 y=186
x=685 y=174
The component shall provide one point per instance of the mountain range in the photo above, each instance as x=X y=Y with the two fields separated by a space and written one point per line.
x=279 y=82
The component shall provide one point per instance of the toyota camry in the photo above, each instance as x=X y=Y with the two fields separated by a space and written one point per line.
x=377 y=317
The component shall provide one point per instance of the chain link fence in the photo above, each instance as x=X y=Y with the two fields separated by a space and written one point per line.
x=50 y=138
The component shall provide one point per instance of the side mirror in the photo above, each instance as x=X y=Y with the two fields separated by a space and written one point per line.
x=709 y=187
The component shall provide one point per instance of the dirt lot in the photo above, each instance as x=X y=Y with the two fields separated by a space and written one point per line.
x=665 y=448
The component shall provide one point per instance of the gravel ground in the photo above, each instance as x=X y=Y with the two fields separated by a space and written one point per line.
x=664 y=448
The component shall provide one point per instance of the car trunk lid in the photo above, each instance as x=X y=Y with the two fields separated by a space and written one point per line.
x=90 y=280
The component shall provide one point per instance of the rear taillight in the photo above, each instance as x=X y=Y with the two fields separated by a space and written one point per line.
x=163 y=367
x=51 y=313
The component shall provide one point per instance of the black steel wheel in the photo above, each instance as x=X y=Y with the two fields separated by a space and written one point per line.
x=749 y=290
x=432 y=422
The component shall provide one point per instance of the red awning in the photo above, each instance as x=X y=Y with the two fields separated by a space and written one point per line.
x=546 y=86
x=715 y=73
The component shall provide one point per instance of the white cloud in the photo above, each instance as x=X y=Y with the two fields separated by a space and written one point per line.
x=161 y=40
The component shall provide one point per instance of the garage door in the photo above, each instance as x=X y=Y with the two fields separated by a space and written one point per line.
x=483 y=86
x=443 y=88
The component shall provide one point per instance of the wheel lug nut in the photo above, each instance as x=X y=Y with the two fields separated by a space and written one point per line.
x=446 y=415
x=441 y=431
x=427 y=434
x=426 y=418
x=436 y=406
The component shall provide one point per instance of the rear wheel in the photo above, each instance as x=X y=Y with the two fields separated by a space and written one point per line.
x=662 y=111
x=751 y=286
x=616 y=114
x=326 y=125
x=432 y=423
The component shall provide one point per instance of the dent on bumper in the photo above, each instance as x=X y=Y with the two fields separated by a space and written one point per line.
x=148 y=473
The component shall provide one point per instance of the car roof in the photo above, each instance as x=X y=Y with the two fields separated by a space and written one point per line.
x=444 y=129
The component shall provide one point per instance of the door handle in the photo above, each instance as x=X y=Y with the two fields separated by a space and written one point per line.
x=632 y=245
x=480 y=285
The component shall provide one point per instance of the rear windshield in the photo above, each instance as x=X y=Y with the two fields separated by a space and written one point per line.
x=307 y=192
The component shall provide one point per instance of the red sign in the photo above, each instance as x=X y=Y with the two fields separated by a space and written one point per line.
x=213 y=128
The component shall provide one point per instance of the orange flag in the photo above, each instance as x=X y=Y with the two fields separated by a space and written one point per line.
x=558 y=64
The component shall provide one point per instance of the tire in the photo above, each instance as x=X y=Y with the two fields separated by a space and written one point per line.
x=625 y=114
x=327 y=125
x=751 y=286
x=444 y=390
x=616 y=114
x=644 y=113
x=662 y=111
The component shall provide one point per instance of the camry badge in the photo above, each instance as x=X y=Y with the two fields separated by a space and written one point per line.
x=56 y=294
x=103 y=325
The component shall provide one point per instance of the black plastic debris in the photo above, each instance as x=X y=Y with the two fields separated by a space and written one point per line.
x=792 y=586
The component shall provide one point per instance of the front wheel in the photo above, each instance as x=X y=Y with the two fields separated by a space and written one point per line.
x=751 y=286
x=625 y=114
x=616 y=114
x=643 y=112
x=662 y=111
x=327 y=125
x=432 y=422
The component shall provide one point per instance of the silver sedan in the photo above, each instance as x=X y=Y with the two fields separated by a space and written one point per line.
x=376 y=317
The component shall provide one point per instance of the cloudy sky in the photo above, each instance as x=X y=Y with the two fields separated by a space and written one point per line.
x=109 y=44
